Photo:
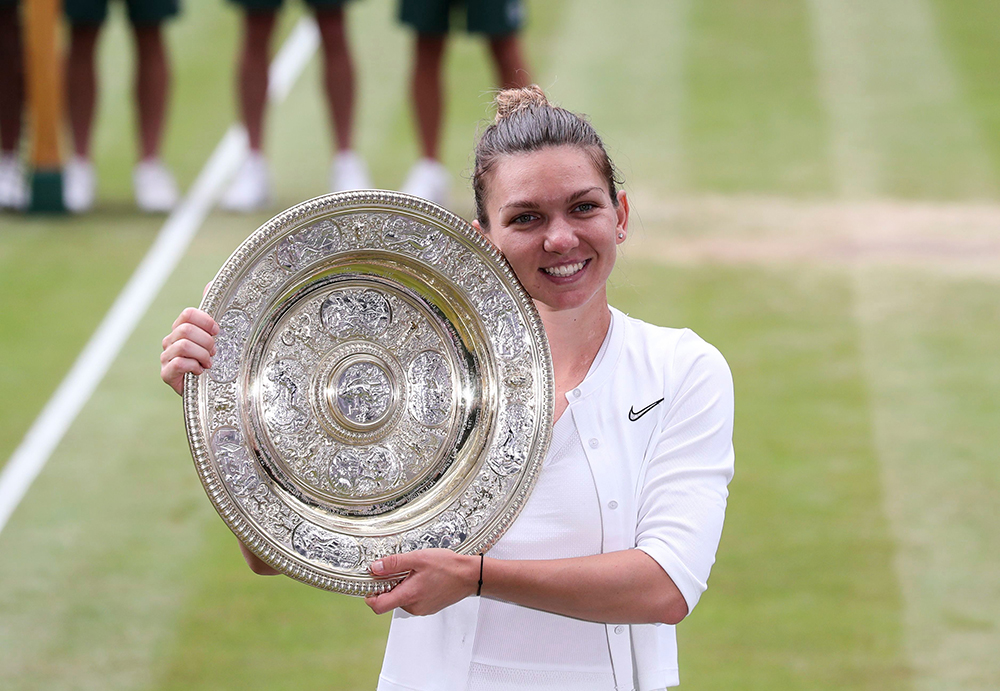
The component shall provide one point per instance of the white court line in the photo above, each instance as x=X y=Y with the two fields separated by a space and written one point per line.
x=142 y=288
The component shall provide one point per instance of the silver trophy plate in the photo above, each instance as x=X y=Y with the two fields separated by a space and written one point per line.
x=382 y=383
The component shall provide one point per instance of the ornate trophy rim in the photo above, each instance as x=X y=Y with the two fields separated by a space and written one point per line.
x=417 y=285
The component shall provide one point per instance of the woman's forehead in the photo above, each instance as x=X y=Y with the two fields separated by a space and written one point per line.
x=550 y=169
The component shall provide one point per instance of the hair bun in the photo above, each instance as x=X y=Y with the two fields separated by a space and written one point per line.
x=510 y=101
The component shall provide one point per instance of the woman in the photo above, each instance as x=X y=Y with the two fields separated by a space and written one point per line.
x=615 y=544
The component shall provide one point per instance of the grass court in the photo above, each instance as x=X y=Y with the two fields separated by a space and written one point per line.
x=815 y=188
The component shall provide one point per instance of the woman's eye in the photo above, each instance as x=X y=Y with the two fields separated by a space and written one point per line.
x=586 y=206
x=521 y=219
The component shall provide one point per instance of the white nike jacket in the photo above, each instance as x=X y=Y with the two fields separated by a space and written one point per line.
x=661 y=473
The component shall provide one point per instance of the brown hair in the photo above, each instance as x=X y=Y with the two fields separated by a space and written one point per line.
x=525 y=122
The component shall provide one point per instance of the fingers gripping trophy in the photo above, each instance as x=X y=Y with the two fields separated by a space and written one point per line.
x=450 y=420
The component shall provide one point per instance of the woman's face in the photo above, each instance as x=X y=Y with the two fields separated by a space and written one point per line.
x=552 y=217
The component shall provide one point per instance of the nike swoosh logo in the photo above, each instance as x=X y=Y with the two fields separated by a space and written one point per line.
x=633 y=415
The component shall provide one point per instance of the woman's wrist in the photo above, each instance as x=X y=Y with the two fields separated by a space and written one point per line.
x=476 y=564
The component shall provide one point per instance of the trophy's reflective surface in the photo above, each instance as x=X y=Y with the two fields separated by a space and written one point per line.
x=381 y=384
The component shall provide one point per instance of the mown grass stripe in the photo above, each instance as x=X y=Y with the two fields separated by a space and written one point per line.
x=930 y=357
x=754 y=122
x=968 y=31
x=636 y=101
x=900 y=125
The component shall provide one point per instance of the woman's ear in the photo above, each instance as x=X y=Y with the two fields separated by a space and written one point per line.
x=485 y=233
x=622 y=210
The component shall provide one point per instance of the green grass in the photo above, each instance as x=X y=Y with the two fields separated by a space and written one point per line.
x=861 y=540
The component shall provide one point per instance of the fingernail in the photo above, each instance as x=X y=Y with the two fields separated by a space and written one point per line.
x=378 y=566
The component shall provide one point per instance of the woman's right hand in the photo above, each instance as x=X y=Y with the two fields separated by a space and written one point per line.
x=188 y=347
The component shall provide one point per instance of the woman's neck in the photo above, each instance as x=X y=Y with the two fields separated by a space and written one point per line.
x=575 y=338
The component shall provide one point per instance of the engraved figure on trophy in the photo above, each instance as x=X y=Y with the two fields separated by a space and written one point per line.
x=512 y=450
x=430 y=388
x=357 y=472
x=298 y=330
x=233 y=328
x=312 y=542
x=355 y=312
x=366 y=229
x=306 y=246
x=505 y=326
x=448 y=532
x=401 y=234
x=284 y=392
x=477 y=502
x=364 y=393
x=234 y=461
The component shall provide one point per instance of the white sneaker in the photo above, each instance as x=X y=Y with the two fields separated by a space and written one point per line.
x=430 y=180
x=155 y=189
x=13 y=189
x=79 y=184
x=250 y=189
x=348 y=172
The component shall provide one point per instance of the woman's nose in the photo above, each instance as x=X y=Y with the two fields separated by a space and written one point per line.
x=560 y=237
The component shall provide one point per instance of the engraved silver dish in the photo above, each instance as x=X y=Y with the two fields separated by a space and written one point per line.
x=382 y=383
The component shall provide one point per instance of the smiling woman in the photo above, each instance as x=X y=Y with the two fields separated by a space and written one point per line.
x=615 y=544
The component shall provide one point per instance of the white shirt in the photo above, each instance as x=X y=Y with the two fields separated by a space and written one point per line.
x=656 y=420
x=561 y=519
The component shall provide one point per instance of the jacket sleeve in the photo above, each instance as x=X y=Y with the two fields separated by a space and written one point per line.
x=682 y=496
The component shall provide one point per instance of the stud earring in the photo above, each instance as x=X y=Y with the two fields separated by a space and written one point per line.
x=621 y=236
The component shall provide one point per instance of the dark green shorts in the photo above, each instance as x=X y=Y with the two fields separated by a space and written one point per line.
x=491 y=17
x=274 y=5
x=140 y=12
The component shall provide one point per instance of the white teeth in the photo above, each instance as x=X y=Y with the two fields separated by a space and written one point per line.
x=564 y=270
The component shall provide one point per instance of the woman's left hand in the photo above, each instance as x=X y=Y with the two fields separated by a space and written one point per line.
x=437 y=578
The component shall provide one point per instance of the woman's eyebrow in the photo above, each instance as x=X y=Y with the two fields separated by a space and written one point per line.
x=582 y=193
x=526 y=204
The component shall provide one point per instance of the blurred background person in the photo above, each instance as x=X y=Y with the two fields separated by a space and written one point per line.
x=155 y=188
x=499 y=21
x=251 y=188
x=13 y=190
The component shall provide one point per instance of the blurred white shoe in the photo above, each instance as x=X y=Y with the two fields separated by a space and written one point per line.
x=250 y=189
x=79 y=184
x=428 y=179
x=348 y=172
x=13 y=189
x=155 y=189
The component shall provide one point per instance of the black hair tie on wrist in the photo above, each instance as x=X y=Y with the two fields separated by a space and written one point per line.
x=479 y=590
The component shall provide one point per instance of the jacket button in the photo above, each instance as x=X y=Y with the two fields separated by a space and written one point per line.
x=619 y=630
x=594 y=443
x=612 y=504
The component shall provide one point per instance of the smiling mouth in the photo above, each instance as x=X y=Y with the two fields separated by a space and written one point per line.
x=565 y=270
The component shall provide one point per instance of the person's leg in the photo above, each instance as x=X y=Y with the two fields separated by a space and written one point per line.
x=81 y=85
x=252 y=73
x=348 y=170
x=250 y=188
x=427 y=91
x=11 y=79
x=430 y=21
x=511 y=68
x=338 y=74
x=152 y=85
x=13 y=190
